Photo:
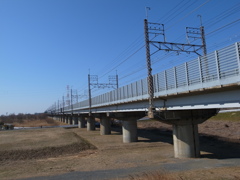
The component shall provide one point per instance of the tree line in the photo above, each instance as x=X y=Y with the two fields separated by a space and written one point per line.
x=11 y=118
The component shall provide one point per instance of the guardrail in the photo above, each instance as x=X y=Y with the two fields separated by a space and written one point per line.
x=218 y=68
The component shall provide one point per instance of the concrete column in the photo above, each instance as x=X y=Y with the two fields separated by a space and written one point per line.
x=185 y=129
x=105 y=125
x=66 y=119
x=70 y=120
x=90 y=123
x=81 y=122
x=129 y=129
x=75 y=120
x=186 y=141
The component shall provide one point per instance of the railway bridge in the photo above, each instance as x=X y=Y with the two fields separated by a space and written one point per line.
x=184 y=96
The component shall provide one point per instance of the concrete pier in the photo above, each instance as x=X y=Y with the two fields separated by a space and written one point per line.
x=90 y=123
x=186 y=141
x=66 y=119
x=129 y=129
x=75 y=120
x=81 y=122
x=129 y=125
x=185 y=129
x=105 y=125
x=70 y=120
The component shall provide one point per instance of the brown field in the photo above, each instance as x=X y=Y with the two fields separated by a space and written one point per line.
x=38 y=123
x=54 y=151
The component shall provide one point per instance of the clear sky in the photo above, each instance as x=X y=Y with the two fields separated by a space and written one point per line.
x=46 y=45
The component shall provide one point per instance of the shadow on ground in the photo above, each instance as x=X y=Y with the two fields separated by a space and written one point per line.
x=216 y=147
x=219 y=148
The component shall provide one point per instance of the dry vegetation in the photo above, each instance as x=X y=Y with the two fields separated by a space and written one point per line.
x=29 y=120
x=44 y=152
x=157 y=175
x=40 y=143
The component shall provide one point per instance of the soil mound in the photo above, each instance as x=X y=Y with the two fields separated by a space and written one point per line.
x=46 y=152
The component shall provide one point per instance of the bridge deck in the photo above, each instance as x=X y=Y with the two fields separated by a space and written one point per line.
x=217 y=70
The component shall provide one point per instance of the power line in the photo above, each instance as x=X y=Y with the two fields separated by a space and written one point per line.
x=222 y=27
x=166 y=16
x=222 y=15
x=183 y=9
x=136 y=46
x=124 y=60
x=189 y=13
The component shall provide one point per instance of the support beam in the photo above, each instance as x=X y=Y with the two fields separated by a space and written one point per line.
x=90 y=123
x=81 y=122
x=129 y=129
x=105 y=125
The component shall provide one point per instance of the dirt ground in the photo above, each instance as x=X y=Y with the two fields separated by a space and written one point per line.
x=220 y=128
x=219 y=144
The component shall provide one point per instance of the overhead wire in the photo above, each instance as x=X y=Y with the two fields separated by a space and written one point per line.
x=183 y=17
x=189 y=13
x=140 y=47
x=169 y=14
x=222 y=15
x=175 y=23
x=223 y=27
x=122 y=55
x=137 y=71
x=113 y=63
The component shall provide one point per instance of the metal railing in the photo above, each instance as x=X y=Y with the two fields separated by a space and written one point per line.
x=218 y=68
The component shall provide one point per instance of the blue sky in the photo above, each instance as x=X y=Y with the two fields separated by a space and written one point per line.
x=46 y=45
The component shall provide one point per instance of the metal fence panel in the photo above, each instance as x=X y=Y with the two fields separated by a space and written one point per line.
x=206 y=71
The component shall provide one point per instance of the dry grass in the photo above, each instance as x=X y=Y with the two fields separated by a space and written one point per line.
x=38 y=123
x=36 y=138
x=157 y=175
x=40 y=143
x=227 y=116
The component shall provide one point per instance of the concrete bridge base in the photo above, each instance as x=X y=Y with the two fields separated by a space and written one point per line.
x=81 y=122
x=66 y=119
x=90 y=123
x=105 y=125
x=75 y=120
x=129 y=129
x=186 y=141
x=185 y=129
x=70 y=120
x=129 y=125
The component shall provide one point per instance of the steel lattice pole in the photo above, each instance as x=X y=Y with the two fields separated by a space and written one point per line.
x=203 y=40
x=89 y=95
x=149 y=69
